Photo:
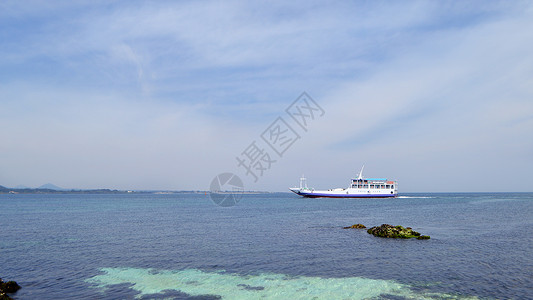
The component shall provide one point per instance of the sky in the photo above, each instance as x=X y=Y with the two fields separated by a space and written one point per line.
x=151 y=95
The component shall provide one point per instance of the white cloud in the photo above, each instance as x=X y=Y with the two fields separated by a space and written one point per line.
x=108 y=140
x=460 y=114
x=151 y=95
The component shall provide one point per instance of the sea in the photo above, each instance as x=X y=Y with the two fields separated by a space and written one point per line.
x=268 y=246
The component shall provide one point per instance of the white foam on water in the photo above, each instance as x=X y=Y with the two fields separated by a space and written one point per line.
x=264 y=286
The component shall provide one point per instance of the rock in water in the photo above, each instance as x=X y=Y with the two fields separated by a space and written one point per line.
x=11 y=287
x=4 y=297
x=389 y=231
x=356 y=226
x=7 y=287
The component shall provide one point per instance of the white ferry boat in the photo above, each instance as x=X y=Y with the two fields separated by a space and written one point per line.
x=359 y=188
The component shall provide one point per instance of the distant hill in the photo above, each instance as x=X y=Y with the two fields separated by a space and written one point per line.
x=21 y=186
x=54 y=189
x=50 y=186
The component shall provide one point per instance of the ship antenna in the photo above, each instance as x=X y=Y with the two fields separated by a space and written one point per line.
x=361 y=173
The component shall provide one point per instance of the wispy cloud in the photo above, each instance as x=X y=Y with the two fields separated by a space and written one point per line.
x=164 y=94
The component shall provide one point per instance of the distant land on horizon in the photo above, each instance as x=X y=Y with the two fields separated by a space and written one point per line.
x=53 y=189
x=48 y=186
x=51 y=186
x=45 y=189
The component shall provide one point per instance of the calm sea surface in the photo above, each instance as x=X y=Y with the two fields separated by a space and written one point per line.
x=269 y=246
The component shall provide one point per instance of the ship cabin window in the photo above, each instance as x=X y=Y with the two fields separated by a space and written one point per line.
x=359 y=186
x=371 y=186
x=392 y=186
x=387 y=186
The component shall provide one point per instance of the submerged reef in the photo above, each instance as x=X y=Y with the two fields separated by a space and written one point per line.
x=7 y=288
x=356 y=226
x=389 y=231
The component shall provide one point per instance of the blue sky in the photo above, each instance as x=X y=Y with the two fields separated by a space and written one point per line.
x=166 y=95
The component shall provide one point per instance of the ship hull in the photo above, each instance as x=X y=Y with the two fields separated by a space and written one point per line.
x=327 y=194
x=346 y=196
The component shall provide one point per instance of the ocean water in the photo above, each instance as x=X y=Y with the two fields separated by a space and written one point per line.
x=269 y=246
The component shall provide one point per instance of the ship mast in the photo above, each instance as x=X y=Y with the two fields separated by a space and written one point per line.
x=360 y=176
x=303 y=183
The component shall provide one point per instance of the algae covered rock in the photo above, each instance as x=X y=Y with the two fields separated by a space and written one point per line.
x=3 y=296
x=423 y=237
x=7 y=287
x=356 y=226
x=10 y=287
x=396 y=232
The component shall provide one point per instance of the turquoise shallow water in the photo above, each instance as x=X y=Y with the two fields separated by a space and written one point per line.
x=269 y=246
